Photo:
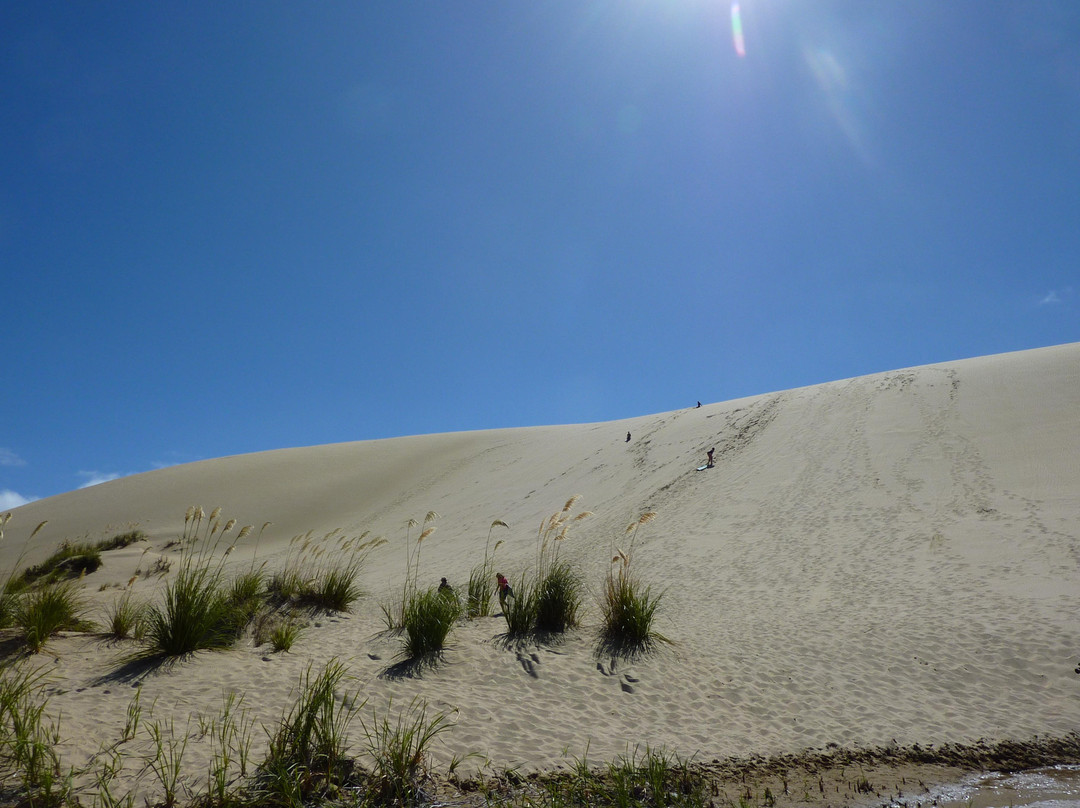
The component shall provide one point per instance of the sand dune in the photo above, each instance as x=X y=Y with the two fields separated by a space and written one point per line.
x=894 y=557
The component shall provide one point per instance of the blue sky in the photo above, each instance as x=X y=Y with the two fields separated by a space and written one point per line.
x=232 y=227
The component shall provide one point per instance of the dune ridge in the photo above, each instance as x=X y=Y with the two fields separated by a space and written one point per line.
x=889 y=559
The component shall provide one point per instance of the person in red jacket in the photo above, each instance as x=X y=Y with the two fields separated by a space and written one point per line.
x=504 y=589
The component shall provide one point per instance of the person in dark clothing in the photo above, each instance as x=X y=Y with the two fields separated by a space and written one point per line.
x=709 y=464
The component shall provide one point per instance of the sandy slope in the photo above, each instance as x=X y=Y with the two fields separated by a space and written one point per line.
x=891 y=557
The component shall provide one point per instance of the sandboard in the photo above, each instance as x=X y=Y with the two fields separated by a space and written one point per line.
x=702 y=468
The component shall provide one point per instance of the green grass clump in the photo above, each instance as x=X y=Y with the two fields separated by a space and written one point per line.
x=120 y=540
x=652 y=780
x=70 y=561
x=285 y=634
x=126 y=618
x=28 y=741
x=42 y=612
x=74 y=559
x=398 y=748
x=479 y=600
x=317 y=580
x=627 y=612
x=197 y=613
x=286 y=585
x=247 y=593
x=558 y=598
x=547 y=601
x=334 y=587
x=307 y=758
x=519 y=611
x=429 y=616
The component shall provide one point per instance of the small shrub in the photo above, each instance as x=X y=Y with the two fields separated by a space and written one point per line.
x=429 y=616
x=43 y=612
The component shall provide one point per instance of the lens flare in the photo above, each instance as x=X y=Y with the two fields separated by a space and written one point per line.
x=736 y=30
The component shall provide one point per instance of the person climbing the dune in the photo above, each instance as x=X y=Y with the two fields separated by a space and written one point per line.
x=504 y=589
x=709 y=463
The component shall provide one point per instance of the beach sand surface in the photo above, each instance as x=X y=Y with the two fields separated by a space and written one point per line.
x=892 y=559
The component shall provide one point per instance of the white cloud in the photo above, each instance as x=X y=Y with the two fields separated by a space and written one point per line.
x=9 y=458
x=9 y=499
x=1056 y=296
x=97 y=477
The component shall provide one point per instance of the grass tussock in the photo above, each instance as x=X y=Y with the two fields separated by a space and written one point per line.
x=322 y=574
x=198 y=610
x=284 y=635
x=76 y=559
x=429 y=617
x=394 y=612
x=558 y=598
x=42 y=612
x=203 y=608
x=519 y=610
x=126 y=618
x=398 y=746
x=479 y=600
x=28 y=740
x=196 y=613
x=628 y=606
x=306 y=759
x=547 y=600
x=652 y=779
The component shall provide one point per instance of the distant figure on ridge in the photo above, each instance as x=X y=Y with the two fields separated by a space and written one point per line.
x=627 y=437
x=504 y=589
x=698 y=405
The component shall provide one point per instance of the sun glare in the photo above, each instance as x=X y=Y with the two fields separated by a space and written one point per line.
x=736 y=30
